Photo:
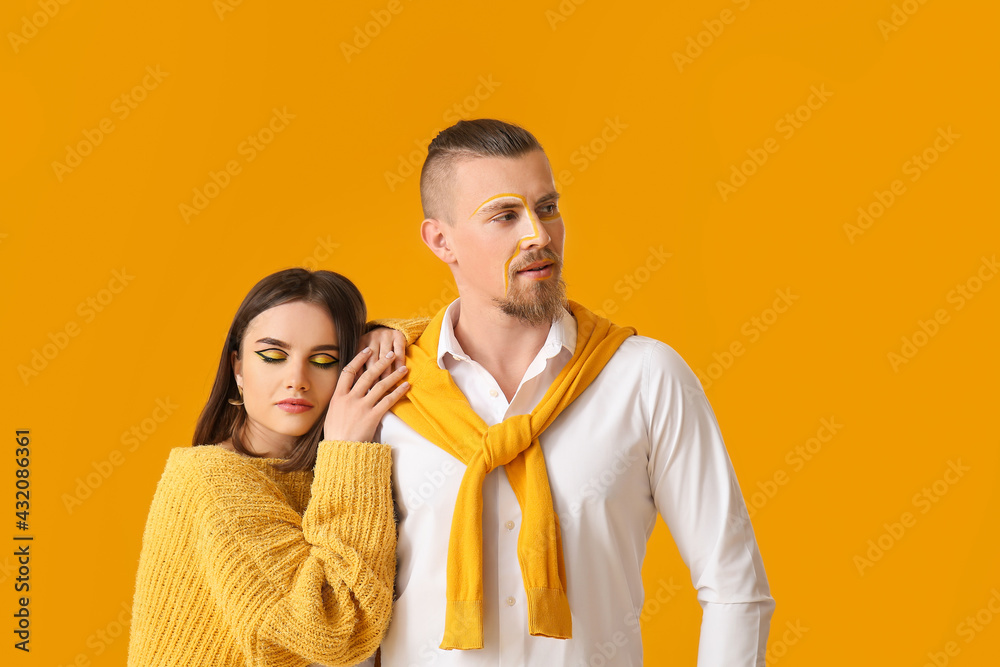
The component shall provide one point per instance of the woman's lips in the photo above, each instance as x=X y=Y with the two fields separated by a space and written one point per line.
x=295 y=405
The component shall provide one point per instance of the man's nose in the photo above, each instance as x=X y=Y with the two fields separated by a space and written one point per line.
x=536 y=236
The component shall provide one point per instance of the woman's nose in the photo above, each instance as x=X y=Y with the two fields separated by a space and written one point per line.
x=298 y=377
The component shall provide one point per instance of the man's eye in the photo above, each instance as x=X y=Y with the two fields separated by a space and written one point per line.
x=324 y=360
x=505 y=217
x=549 y=212
x=271 y=356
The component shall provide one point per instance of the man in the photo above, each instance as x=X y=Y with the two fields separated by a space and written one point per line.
x=538 y=442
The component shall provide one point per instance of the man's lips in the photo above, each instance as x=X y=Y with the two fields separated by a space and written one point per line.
x=538 y=270
x=295 y=405
x=537 y=265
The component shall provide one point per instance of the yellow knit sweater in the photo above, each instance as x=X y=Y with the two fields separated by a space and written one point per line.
x=243 y=564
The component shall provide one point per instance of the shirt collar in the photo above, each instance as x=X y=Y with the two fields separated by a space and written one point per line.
x=562 y=334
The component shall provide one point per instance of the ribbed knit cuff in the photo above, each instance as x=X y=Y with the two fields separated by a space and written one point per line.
x=352 y=498
x=463 y=625
x=548 y=613
x=411 y=328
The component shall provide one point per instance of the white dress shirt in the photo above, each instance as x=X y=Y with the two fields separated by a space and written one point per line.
x=641 y=439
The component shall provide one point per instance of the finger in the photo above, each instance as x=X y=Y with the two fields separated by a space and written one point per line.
x=384 y=385
x=370 y=376
x=377 y=353
x=383 y=406
x=369 y=362
x=349 y=373
x=384 y=348
x=399 y=348
x=384 y=367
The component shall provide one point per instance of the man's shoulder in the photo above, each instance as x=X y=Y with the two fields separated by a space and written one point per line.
x=650 y=351
x=651 y=362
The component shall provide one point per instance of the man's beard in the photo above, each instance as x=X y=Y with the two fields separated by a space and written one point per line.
x=537 y=301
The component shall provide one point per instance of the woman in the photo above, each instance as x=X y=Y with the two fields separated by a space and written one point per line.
x=265 y=544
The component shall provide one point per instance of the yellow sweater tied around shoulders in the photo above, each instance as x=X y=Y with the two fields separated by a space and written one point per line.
x=438 y=410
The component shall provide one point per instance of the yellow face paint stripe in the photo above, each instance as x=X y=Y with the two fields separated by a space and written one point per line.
x=555 y=215
x=534 y=229
x=499 y=196
x=517 y=248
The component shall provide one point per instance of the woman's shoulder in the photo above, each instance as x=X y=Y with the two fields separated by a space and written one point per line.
x=223 y=473
x=207 y=483
x=202 y=455
x=206 y=462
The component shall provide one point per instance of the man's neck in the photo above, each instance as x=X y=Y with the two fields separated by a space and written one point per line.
x=504 y=345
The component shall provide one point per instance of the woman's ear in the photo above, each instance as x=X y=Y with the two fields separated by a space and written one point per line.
x=237 y=363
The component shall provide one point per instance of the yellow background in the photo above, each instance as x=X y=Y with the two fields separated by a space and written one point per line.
x=639 y=139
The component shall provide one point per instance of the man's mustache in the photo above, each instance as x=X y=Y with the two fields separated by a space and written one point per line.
x=533 y=256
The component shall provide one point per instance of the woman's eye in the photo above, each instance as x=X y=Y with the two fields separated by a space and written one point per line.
x=271 y=356
x=324 y=360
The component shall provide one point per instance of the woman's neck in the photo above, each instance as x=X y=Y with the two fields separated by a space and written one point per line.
x=263 y=442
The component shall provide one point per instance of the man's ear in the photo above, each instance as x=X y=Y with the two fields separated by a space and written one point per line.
x=435 y=234
x=237 y=365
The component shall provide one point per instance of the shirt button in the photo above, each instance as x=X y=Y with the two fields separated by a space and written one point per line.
x=494 y=393
x=510 y=602
x=509 y=525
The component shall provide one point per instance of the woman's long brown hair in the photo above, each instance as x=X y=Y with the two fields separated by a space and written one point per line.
x=221 y=420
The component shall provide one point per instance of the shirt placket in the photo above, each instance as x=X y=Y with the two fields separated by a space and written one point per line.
x=510 y=599
x=505 y=601
x=513 y=612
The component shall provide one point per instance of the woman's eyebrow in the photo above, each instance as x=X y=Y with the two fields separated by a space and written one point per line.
x=273 y=341
x=281 y=343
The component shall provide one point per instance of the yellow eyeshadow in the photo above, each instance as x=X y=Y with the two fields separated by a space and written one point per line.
x=272 y=355
x=324 y=359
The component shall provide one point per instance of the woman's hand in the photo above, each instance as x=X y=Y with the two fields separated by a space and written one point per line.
x=382 y=340
x=361 y=399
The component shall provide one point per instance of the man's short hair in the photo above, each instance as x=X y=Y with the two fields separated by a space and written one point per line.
x=482 y=137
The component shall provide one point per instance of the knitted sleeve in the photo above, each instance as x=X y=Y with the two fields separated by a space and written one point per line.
x=293 y=590
x=411 y=328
